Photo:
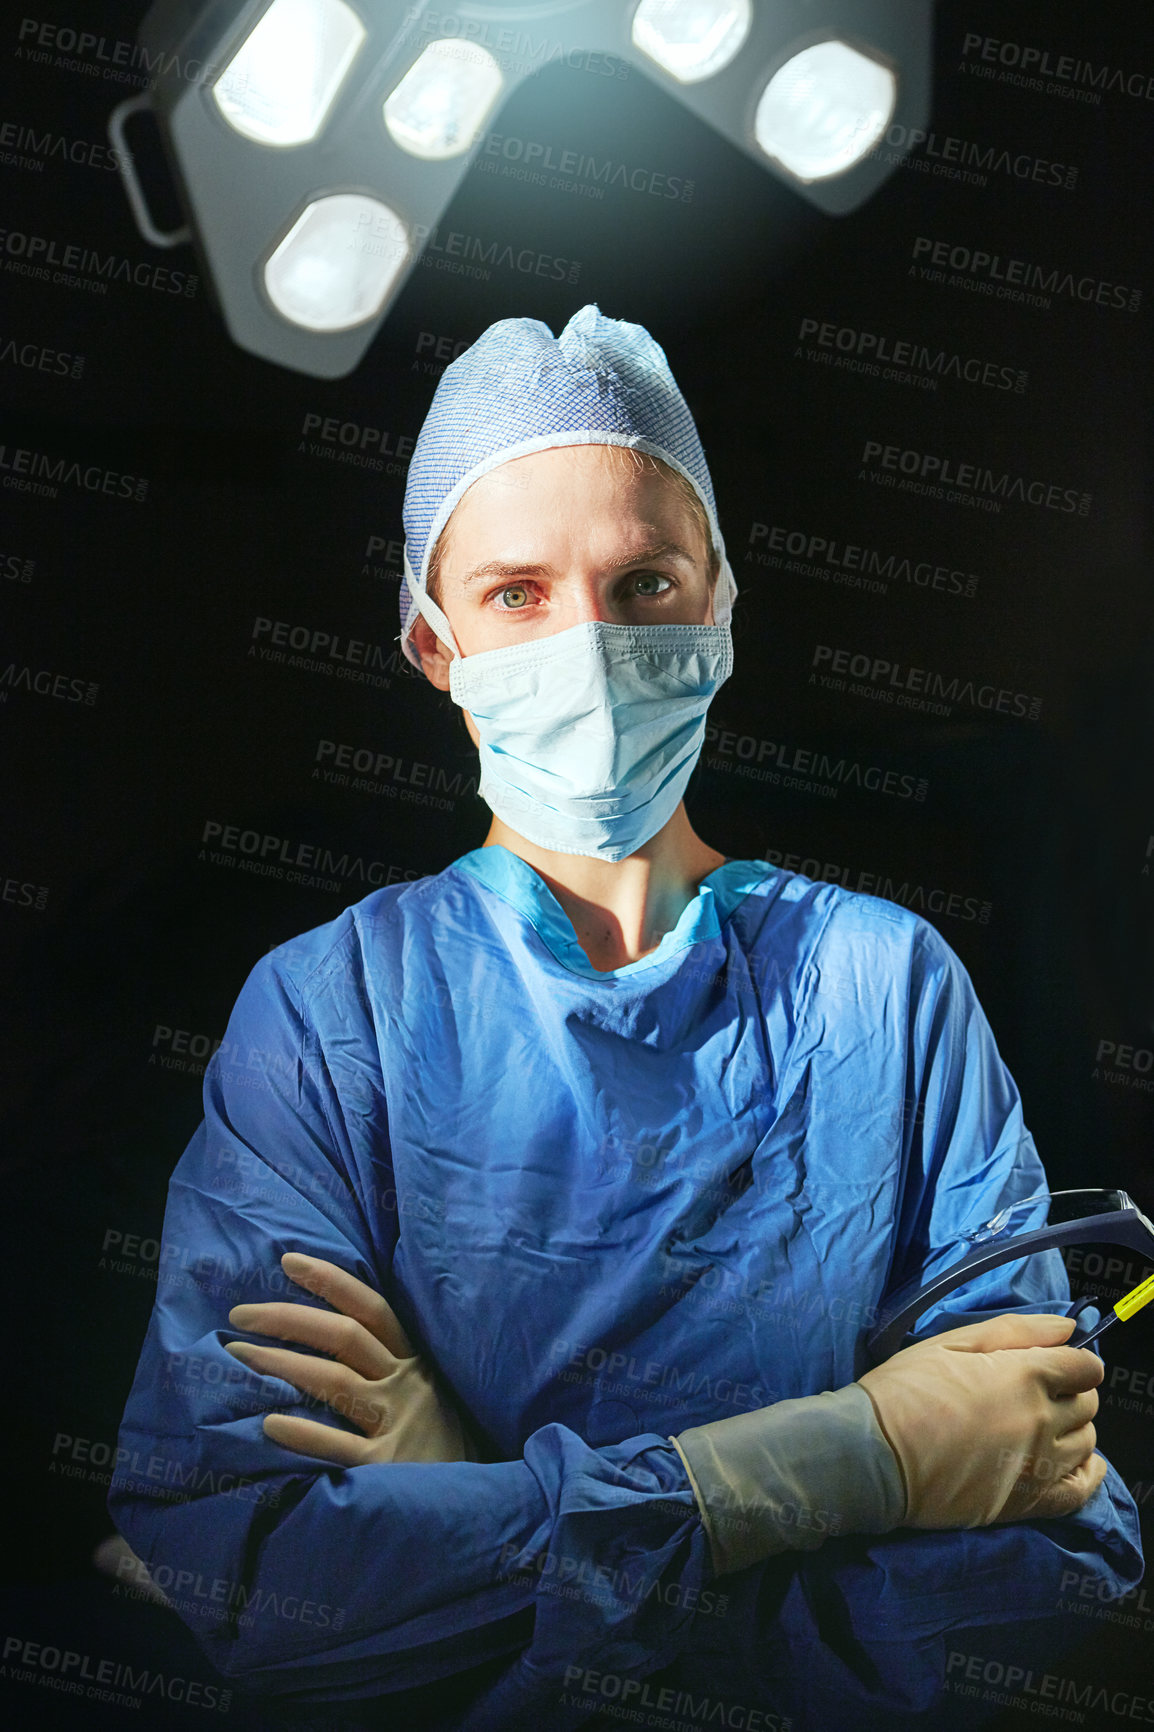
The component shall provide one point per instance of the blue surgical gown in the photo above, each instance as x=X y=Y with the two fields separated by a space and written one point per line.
x=609 y=1206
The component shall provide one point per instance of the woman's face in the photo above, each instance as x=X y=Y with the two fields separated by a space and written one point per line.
x=559 y=538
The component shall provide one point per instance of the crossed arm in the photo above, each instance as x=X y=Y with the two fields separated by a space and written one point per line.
x=374 y=1378
x=990 y=1436
x=441 y=1562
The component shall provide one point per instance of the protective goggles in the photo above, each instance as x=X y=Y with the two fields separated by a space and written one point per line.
x=1046 y=1221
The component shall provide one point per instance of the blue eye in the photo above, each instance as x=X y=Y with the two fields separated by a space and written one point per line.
x=651 y=577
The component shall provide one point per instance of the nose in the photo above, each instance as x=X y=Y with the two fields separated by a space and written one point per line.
x=590 y=601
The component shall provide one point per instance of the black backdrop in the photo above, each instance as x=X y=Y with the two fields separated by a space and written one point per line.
x=943 y=687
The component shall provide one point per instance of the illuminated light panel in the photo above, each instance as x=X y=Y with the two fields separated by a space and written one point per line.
x=444 y=99
x=336 y=265
x=824 y=110
x=280 y=85
x=691 y=39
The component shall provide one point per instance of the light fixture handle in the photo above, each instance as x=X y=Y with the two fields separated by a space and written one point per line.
x=155 y=237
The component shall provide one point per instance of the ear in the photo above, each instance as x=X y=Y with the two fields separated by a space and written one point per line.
x=435 y=658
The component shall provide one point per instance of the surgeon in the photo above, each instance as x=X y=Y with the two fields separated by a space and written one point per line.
x=507 y=1366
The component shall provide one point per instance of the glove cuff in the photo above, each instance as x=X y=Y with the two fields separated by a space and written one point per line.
x=788 y=1477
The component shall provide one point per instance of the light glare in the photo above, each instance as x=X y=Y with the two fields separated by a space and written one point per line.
x=279 y=86
x=336 y=265
x=691 y=39
x=824 y=110
x=444 y=99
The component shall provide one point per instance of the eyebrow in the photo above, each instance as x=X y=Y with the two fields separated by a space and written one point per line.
x=507 y=568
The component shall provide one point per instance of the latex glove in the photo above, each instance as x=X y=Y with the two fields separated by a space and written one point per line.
x=787 y=1477
x=989 y=1422
x=992 y=1422
x=376 y=1380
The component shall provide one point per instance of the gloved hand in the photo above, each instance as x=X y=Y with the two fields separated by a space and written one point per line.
x=989 y=1422
x=377 y=1380
x=992 y=1422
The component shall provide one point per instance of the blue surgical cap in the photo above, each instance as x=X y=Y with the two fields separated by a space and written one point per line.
x=519 y=389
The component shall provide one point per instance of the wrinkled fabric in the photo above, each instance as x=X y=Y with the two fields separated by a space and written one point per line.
x=517 y=390
x=609 y=1206
x=588 y=737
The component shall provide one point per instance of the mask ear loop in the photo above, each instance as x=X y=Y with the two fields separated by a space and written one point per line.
x=428 y=608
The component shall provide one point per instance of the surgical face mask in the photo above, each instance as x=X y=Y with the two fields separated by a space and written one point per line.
x=589 y=736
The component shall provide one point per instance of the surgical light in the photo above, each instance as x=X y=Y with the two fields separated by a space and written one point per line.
x=444 y=99
x=280 y=85
x=824 y=110
x=335 y=267
x=691 y=39
x=317 y=144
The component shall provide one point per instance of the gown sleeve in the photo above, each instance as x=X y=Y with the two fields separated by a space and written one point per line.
x=864 y=1632
x=586 y=1570
x=305 y=1579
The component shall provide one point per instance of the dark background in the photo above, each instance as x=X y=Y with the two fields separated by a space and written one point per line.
x=1031 y=848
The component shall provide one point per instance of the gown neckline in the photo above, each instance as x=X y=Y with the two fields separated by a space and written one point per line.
x=521 y=885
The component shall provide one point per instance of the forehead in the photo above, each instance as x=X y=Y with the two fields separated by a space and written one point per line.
x=565 y=487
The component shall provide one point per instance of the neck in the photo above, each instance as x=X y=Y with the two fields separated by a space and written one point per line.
x=622 y=909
